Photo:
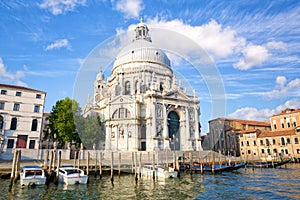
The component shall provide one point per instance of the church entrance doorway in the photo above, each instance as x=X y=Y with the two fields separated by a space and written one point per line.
x=174 y=133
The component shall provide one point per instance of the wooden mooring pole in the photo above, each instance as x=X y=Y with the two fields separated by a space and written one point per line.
x=119 y=165
x=220 y=159
x=213 y=162
x=153 y=165
x=135 y=164
x=100 y=165
x=201 y=165
x=140 y=165
x=191 y=162
x=12 y=175
x=112 y=168
x=78 y=160
x=54 y=159
x=132 y=161
x=88 y=163
x=17 y=168
x=58 y=166
x=50 y=164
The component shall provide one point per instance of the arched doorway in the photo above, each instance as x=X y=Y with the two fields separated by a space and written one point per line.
x=174 y=132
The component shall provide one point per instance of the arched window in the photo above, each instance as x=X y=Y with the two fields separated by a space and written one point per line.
x=121 y=113
x=13 y=124
x=34 y=125
x=161 y=86
x=136 y=87
x=116 y=115
x=282 y=141
x=127 y=88
x=1 y=122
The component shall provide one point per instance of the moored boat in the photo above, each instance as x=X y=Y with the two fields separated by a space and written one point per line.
x=32 y=176
x=212 y=168
x=160 y=172
x=71 y=176
x=269 y=164
x=237 y=166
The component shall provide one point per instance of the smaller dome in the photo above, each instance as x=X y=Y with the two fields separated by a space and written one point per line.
x=100 y=76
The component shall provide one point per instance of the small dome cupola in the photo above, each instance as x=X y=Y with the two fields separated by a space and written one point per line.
x=142 y=32
x=100 y=76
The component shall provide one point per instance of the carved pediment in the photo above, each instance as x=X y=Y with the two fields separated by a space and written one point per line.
x=178 y=95
x=121 y=99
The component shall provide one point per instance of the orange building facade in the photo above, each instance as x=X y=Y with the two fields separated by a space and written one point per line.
x=281 y=141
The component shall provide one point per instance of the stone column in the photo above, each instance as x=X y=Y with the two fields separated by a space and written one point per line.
x=165 y=128
x=153 y=122
x=197 y=133
x=185 y=135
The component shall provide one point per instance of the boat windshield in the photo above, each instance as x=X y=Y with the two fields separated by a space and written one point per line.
x=73 y=171
x=33 y=173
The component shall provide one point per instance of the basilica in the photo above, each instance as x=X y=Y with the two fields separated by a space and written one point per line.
x=141 y=105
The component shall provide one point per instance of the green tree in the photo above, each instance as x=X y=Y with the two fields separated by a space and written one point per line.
x=62 y=121
x=91 y=131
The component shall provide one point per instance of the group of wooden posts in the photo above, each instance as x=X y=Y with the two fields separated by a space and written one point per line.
x=134 y=167
x=51 y=163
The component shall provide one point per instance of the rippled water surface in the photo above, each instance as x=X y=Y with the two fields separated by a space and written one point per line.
x=283 y=183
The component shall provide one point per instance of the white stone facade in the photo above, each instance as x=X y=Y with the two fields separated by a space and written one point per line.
x=21 y=112
x=141 y=104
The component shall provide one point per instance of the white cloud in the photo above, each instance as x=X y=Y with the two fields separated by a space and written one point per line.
x=218 y=41
x=59 y=44
x=284 y=88
x=293 y=103
x=276 y=45
x=130 y=8
x=9 y=77
x=253 y=55
x=58 y=7
x=250 y=113
x=281 y=80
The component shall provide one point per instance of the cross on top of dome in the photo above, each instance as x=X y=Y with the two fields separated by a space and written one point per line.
x=142 y=31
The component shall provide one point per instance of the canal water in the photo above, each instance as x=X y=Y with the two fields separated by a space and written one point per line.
x=282 y=183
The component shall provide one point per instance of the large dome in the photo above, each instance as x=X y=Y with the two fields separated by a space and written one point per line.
x=142 y=50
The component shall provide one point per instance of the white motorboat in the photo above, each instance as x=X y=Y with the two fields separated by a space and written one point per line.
x=71 y=176
x=32 y=176
x=160 y=172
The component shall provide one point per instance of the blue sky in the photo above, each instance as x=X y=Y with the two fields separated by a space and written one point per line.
x=253 y=44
